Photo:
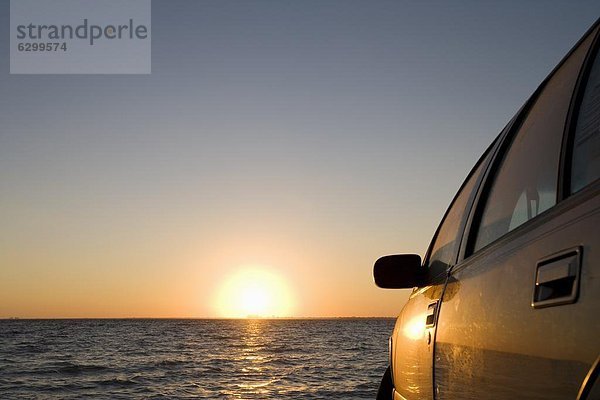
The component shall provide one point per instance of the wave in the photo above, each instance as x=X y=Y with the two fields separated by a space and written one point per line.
x=118 y=381
x=71 y=368
x=169 y=363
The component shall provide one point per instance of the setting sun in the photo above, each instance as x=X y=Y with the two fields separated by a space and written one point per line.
x=254 y=292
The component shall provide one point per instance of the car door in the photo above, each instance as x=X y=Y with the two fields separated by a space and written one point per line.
x=411 y=349
x=521 y=320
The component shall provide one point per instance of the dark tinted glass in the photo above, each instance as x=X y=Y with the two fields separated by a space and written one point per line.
x=526 y=182
x=586 y=145
x=447 y=243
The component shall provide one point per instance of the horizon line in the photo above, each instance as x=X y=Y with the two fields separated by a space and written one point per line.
x=194 y=318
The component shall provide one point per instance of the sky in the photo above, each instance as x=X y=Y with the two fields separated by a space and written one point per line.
x=300 y=140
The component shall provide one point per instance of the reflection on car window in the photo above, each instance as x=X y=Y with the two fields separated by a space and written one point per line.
x=446 y=245
x=529 y=205
x=525 y=184
x=586 y=146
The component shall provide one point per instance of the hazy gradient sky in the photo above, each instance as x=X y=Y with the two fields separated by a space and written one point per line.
x=307 y=137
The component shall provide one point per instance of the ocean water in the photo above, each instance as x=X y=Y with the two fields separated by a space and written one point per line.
x=212 y=359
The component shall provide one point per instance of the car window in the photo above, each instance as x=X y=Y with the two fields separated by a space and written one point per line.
x=525 y=183
x=585 y=167
x=447 y=242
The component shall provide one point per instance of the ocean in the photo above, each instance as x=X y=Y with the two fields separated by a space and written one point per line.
x=193 y=358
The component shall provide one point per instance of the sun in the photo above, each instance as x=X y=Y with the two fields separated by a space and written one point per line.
x=254 y=292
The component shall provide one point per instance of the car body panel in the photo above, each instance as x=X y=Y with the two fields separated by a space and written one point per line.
x=412 y=345
x=492 y=344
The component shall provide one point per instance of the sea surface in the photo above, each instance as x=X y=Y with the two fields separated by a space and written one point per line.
x=179 y=358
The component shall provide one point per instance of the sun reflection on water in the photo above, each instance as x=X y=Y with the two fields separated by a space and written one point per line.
x=253 y=359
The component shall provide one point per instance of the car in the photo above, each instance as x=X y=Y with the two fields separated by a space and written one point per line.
x=506 y=302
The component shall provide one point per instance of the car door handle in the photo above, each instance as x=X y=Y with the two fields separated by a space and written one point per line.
x=557 y=279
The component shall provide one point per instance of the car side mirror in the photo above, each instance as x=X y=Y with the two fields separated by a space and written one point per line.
x=400 y=271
